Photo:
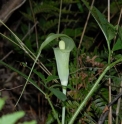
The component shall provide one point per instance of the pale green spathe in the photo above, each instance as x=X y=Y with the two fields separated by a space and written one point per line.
x=62 y=61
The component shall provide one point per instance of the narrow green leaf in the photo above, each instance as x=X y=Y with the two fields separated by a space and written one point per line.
x=23 y=75
x=39 y=74
x=31 y=122
x=108 y=29
x=58 y=94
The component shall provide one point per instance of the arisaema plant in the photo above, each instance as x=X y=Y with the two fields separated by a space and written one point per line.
x=62 y=59
x=62 y=54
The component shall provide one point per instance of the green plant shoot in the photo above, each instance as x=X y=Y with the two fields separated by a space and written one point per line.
x=62 y=59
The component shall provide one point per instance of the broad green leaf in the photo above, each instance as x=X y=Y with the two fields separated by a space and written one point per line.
x=2 y=102
x=117 y=45
x=31 y=122
x=58 y=94
x=11 y=118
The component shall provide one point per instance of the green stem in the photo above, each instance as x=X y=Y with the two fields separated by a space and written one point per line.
x=109 y=82
x=55 y=113
x=63 y=114
x=63 y=108
x=94 y=88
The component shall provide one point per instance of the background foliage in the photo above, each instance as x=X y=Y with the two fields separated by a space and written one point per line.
x=86 y=62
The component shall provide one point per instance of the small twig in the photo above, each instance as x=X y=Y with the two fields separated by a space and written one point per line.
x=5 y=89
x=7 y=55
x=59 y=20
x=118 y=104
x=108 y=10
x=110 y=111
x=34 y=24
x=30 y=30
x=84 y=29
x=120 y=15
x=70 y=5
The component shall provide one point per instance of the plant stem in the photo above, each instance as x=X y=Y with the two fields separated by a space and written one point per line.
x=63 y=114
x=59 y=20
x=118 y=104
x=63 y=108
x=55 y=114
x=109 y=82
